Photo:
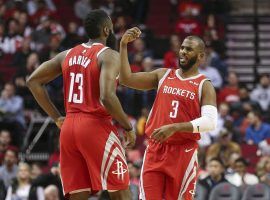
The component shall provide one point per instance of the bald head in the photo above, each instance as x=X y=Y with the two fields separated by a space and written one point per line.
x=200 y=42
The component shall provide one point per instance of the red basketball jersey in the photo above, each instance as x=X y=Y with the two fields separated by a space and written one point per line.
x=177 y=100
x=81 y=80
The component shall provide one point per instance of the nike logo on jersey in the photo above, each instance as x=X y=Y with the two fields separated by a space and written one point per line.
x=188 y=150
x=194 y=83
x=171 y=78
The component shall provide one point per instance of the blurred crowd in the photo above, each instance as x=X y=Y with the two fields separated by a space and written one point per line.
x=33 y=31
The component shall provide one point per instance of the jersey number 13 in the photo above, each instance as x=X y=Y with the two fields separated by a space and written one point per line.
x=76 y=97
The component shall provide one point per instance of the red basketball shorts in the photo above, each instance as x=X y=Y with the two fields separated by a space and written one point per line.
x=91 y=156
x=169 y=172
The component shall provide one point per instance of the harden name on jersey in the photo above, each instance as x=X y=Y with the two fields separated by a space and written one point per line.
x=79 y=60
x=179 y=92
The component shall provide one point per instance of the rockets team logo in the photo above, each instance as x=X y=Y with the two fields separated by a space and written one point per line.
x=120 y=170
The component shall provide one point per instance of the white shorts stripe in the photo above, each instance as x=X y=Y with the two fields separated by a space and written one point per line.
x=112 y=139
x=192 y=176
x=188 y=171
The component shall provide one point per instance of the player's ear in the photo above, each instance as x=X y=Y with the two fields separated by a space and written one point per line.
x=106 y=31
x=202 y=56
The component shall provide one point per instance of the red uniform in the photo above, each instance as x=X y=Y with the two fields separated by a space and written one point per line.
x=91 y=156
x=170 y=168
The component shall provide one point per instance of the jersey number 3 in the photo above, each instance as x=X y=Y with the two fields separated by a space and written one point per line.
x=74 y=97
x=175 y=105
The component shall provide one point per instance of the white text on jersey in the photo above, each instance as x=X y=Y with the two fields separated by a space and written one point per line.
x=80 y=60
x=179 y=92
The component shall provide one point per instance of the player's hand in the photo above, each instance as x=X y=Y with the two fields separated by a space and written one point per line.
x=59 y=121
x=130 y=139
x=163 y=133
x=130 y=35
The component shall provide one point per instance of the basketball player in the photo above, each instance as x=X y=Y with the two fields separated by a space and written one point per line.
x=91 y=156
x=185 y=105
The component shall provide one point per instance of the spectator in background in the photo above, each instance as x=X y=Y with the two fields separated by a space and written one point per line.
x=261 y=94
x=20 y=57
x=215 y=52
x=230 y=93
x=245 y=105
x=11 y=108
x=108 y=6
x=241 y=178
x=223 y=116
x=9 y=169
x=44 y=180
x=213 y=30
x=120 y=27
x=148 y=97
x=3 y=191
x=263 y=170
x=24 y=29
x=32 y=62
x=20 y=186
x=42 y=34
x=12 y=40
x=188 y=25
x=170 y=59
x=139 y=49
x=187 y=6
x=258 y=131
x=215 y=169
x=36 y=170
x=82 y=8
x=51 y=192
x=52 y=49
x=211 y=73
x=72 y=38
x=5 y=141
x=134 y=173
x=231 y=168
x=40 y=7
x=223 y=148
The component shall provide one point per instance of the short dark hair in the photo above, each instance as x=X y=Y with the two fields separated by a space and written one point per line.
x=257 y=113
x=242 y=160
x=217 y=160
x=200 y=41
x=94 y=21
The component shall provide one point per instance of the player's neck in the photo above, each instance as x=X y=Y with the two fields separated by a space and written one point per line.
x=98 y=40
x=189 y=73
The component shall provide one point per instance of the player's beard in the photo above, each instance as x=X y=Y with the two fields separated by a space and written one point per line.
x=189 y=64
x=111 y=41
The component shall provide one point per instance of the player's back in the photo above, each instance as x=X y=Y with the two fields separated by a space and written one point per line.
x=81 y=74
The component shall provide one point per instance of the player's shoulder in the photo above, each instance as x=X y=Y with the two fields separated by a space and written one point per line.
x=161 y=72
x=108 y=55
x=61 y=56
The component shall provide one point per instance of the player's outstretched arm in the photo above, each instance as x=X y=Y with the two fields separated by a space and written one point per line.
x=207 y=121
x=141 y=80
x=45 y=73
x=109 y=62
